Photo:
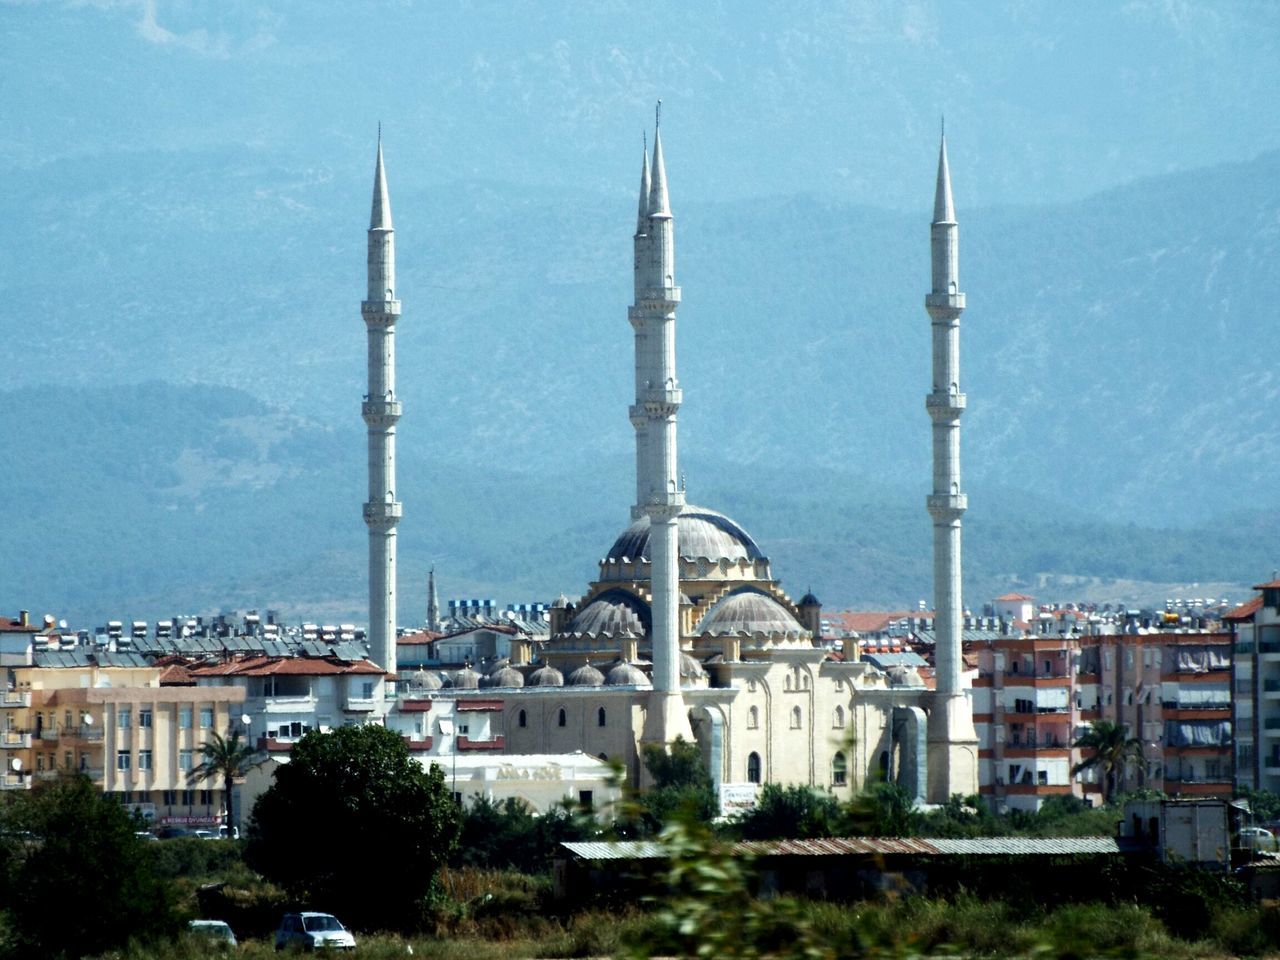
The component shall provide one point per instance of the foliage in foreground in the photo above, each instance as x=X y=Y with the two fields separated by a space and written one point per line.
x=74 y=877
x=353 y=825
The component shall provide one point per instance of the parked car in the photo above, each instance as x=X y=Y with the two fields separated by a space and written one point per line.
x=313 y=931
x=1258 y=840
x=215 y=930
x=204 y=834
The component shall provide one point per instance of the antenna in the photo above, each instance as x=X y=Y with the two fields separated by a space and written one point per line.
x=379 y=133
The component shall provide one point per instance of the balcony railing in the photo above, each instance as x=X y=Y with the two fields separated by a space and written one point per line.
x=15 y=739
x=15 y=698
x=14 y=781
x=360 y=704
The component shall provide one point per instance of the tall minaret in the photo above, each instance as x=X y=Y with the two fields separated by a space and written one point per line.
x=658 y=397
x=381 y=410
x=953 y=762
x=433 y=603
x=639 y=418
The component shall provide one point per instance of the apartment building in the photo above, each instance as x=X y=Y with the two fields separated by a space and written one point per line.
x=1036 y=694
x=1255 y=628
x=114 y=718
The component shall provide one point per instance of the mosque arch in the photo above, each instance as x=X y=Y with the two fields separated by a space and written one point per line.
x=522 y=719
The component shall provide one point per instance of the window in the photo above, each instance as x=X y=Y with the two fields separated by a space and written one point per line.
x=170 y=797
x=39 y=761
x=753 y=768
x=1048 y=667
x=753 y=718
x=206 y=797
x=126 y=796
x=67 y=723
x=123 y=718
x=184 y=718
x=206 y=717
x=144 y=717
x=797 y=718
x=184 y=759
x=839 y=770
x=600 y=717
x=585 y=798
x=1042 y=777
x=188 y=797
x=366 y=690
x=562 y=719
x=521 y=719
x=144 y=759
x=751 y=686
x=68 y=760
x=84 y=761
x=884 y=764
x=123 y=760
x=837 y=721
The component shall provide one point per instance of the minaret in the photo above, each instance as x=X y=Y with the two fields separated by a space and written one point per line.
x=953 y=763
x=433 y=603
x=381 y=410
x=658 y=397
x=639 y=418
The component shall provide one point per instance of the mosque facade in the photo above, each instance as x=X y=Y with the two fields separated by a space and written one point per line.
x=686 y=633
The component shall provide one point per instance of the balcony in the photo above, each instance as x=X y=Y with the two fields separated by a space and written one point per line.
x=96 y=774
x=15 y=698
x=495 y=743
x=14 y=781
x=16 y=739
x=360 y=704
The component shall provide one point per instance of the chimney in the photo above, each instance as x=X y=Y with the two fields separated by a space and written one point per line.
x=24 y=618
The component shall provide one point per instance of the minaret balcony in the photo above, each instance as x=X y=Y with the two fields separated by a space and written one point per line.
x=944 y=302
x=383 y=513
x=380 y=312
x=380 y=413
x=947 y=507
x=662 y=403
x=945 y=406
x=659 y=297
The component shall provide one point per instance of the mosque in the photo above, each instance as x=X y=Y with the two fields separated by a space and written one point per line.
x=686 y=633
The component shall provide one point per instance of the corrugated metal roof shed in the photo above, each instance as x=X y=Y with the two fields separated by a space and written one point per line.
x=866 y=846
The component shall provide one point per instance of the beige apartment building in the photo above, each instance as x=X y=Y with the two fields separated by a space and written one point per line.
x=135 y=730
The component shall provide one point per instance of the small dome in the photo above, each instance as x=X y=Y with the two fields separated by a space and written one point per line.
x=546 y=676
x=904 y=676
x=623 y=674
x=586 y=676
x=561 y=602
x=612 y=613
x=466 y=679
x=703 y=534
x=506 y=676
x=750 y=612
x=691 y=669
x=424 y=680
x=809 y=600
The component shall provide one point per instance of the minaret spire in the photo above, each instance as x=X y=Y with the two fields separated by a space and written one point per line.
x=433 y=603
x=381 y=410
x=660 y=494
x=952 y=740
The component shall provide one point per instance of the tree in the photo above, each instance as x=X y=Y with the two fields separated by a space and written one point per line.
x=1111 y=750
x=354 y=825
x=224 y=757
x=681 y=784
x=795 y=813
x=75 y=879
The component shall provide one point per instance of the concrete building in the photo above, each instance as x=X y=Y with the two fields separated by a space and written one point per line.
x=1255 y=629
x=1037 y=694
x=135 y=729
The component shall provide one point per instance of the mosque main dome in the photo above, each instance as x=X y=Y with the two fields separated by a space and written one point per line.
x=704 y=534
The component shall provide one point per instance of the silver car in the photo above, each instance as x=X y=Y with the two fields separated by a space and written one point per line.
x=313 y=931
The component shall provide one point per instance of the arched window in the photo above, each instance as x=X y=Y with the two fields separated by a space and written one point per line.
x=753 y=718
x=753 y=768
x=839 y=770
x=787 y=682
x=521 y=719
x=562 y=718
x=600 y=717
x=796 y=718
x=837 y=720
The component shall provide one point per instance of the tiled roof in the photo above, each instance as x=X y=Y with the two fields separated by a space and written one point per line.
x=1273 y=585
x=869 y=621
x=1015 y=598
x=1245 y=610
x=286 y=666
x=422 y=636
x=15 y=626
x=176 y=675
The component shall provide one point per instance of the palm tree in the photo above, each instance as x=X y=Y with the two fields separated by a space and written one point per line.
x=1112 y=750
x=225 y=757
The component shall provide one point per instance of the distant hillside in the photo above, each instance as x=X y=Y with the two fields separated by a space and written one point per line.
x=187 y=359
x=154 y=499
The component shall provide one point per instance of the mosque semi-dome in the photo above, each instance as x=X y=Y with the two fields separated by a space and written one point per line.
x=466 y=679
x=623 y=674
x=704 y=534
x=506 y=676
x=613 y=612
x=586 y=676
x=749 y=612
